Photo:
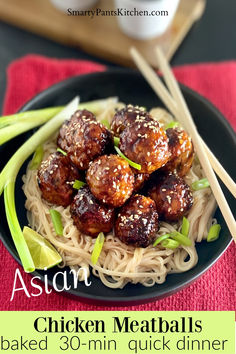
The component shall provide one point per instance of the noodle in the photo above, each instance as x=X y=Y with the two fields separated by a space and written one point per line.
x=118 y=263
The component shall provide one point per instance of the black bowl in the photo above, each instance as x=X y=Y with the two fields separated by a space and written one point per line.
x=130 y=87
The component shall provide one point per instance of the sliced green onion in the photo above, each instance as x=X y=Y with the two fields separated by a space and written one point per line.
x=97 y=248
x=185 y=226
x=131 y=163
x=106 y=123
x=57 y=223
x=62 y=151
x=213 y=233
x=160 y=239
x=78 y=184
x=172 y=124
x=200 y=184
x=116 y=141
x=169 y=243
x=181 y=239
x=37 y=158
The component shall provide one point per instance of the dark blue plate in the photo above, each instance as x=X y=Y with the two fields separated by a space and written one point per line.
x=130 y=87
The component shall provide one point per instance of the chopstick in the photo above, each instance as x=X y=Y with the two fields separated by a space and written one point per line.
x=179 y=108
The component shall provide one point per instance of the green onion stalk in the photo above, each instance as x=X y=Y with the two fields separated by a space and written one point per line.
x=16 y=124
x=9 y=174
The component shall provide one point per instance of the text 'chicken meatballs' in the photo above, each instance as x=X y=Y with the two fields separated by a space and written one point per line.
x=111 y=180
x=83 y=138
x=145 y=143
x=182 y=151
x=89 y=216
x=137 y=222
x=172 y=195
x=126 y=116
x=55 y=179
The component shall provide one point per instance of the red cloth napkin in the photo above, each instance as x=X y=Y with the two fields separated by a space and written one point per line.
x=215 y=290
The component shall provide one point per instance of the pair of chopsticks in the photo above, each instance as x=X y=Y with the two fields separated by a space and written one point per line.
x=175 y=102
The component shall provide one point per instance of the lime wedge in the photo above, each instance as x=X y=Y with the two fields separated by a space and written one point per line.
x=44 y=255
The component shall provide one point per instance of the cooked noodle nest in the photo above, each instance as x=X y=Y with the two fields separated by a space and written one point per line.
x=118 y=263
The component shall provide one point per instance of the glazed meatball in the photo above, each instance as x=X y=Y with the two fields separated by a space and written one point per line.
x=111 y=180
x=126 y=116
x=89 y=216
x=137 y=222
x=172 y=196
x=182 y=151
x=146 y=144
x=83 y=138
x=55 y=179
x=139 y=180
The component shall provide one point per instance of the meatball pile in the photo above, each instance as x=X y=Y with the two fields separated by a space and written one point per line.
x=109 y=198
